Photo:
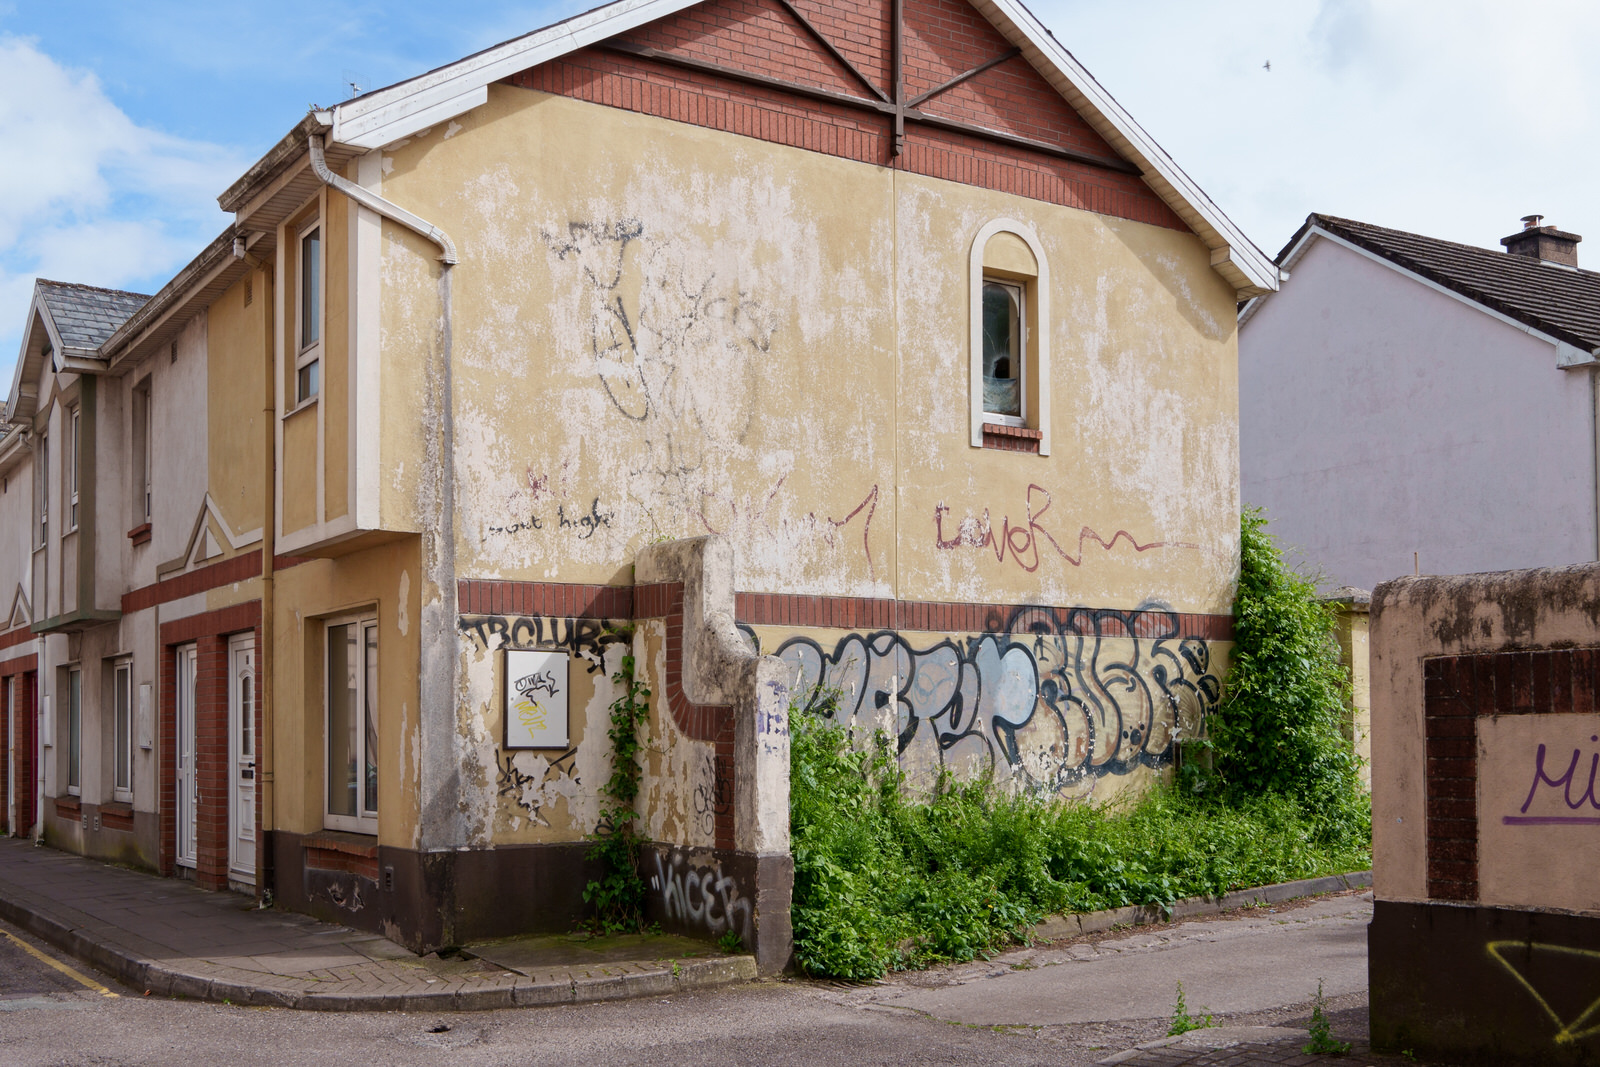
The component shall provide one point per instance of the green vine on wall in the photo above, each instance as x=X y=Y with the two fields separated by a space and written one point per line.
x=618 y=895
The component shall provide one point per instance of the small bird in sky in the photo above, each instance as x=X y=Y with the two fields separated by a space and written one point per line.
x=1267 y=66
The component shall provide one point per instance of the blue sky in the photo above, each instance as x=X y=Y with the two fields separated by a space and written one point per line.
x=1448 y=117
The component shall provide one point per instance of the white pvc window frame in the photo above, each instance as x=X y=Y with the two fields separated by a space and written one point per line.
x=360 y=691
x=122 y=730
x=1036 y=402
x=74 y=731
x=309 y=304
x=74 y=428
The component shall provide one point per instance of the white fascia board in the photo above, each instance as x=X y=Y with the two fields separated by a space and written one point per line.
x=379 y=128
x=1253 y=263
x=388 y=107
x=1563 y=350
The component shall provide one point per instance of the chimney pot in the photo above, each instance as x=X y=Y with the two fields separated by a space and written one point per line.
x=1543 y=243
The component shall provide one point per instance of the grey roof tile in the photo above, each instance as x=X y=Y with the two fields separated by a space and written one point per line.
x=84 y=315
x=1561 y=301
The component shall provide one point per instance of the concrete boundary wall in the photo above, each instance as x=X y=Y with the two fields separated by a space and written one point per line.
x=1485 y=733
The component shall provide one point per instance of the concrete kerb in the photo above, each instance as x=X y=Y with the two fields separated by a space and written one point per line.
x=1061 y=927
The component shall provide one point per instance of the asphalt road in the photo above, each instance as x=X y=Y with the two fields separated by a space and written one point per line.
x=1016 y=1009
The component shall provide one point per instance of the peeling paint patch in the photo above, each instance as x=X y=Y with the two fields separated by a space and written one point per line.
x=404 y=621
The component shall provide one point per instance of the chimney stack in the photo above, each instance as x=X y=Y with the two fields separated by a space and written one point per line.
x=1544 y=243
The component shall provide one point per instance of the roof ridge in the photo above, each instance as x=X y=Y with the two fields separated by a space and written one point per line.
x=1520 y=261
x=91 y=288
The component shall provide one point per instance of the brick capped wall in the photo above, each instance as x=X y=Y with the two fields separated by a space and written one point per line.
x=943 y=39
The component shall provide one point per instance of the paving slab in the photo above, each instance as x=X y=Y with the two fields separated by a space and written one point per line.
x=175 y=939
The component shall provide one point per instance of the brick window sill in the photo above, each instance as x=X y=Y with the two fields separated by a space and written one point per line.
x=118 y=816
x=1011 y=438
x=140 y=534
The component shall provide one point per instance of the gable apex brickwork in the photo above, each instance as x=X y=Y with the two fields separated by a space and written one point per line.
x=820 y=76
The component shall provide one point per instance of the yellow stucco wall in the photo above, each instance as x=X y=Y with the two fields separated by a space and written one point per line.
x=238 y=344
x=336 y=361
x=380 y=581
x=704 y=332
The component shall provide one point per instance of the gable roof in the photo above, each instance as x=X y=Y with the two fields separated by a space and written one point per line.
x=70 y=322
x=84 y=315
x=386 y=115
x=1561 y=302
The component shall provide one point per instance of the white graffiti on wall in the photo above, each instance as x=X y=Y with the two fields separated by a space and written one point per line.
x=701 y=897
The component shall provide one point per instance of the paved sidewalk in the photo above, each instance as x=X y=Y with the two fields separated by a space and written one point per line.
x=1249 y=1046
x=169 y=938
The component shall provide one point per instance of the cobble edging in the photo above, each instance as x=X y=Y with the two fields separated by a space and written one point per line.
x=109 y=949
x=1059 y=927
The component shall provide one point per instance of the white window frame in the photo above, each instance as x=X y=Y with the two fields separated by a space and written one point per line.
x=1036 y=291
x=309 y=353
x=74 y=731
x=142 y=453
x=1021 y=291
x=364 y=821
x=122 y=730
x=74 y=426
x=41 y=488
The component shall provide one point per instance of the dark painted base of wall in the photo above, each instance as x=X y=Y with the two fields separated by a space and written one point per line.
x=707 y=892
x=432 y=900
x=1484 y=985
x=85 y=834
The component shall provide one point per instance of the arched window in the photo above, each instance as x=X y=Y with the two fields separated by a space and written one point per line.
x=1010 y=339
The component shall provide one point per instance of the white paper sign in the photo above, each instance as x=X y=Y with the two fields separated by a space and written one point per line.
x=536 y=699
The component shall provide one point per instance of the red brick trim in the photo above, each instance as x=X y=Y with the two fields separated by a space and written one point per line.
x=210 y=632
x=1459 y=690
x=21 y=635
x=201 y=579
x=865 y=613
x=30 y=662
x=1011 y=438
x=117 y=817
x=563 y=600
x=945 y=38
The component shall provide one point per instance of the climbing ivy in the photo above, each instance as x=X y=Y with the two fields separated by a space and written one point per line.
x=1280 y=727
x=618 y=895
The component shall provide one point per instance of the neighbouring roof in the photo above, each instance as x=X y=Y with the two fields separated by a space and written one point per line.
x=1561 y=301
x=85 y=316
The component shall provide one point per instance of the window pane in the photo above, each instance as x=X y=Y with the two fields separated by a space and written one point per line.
x=1002 y=349
x=74 y=727
x=342 y=719
x=369 y=714
x=123 y=698
x=247 y=714
x=306 y=382
x=310 y=288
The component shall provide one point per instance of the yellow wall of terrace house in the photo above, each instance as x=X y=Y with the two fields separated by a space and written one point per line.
x=299 y=474
x=238 y=341
x=336 y=361
x=382 y=580
x=663 y=331
x=410 y=317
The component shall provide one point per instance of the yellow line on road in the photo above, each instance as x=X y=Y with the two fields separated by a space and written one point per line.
x=58 y=965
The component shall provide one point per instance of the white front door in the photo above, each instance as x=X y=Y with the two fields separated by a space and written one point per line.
x=184 y=750
x=242 y=758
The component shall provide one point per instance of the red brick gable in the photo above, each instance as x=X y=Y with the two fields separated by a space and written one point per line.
x=781 y=71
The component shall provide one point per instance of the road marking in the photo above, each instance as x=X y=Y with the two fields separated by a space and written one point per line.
x=76 y=976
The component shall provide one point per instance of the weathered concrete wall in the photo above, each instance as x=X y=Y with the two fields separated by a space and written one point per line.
x=1380 y=418
x=1484 y=814
x=714 y=343
x=1353 y=608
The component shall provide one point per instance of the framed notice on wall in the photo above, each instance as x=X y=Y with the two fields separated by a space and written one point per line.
x=536 y=699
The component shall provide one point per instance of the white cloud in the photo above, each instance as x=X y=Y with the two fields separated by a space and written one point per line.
x=86 y=194
x=1447 y=117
